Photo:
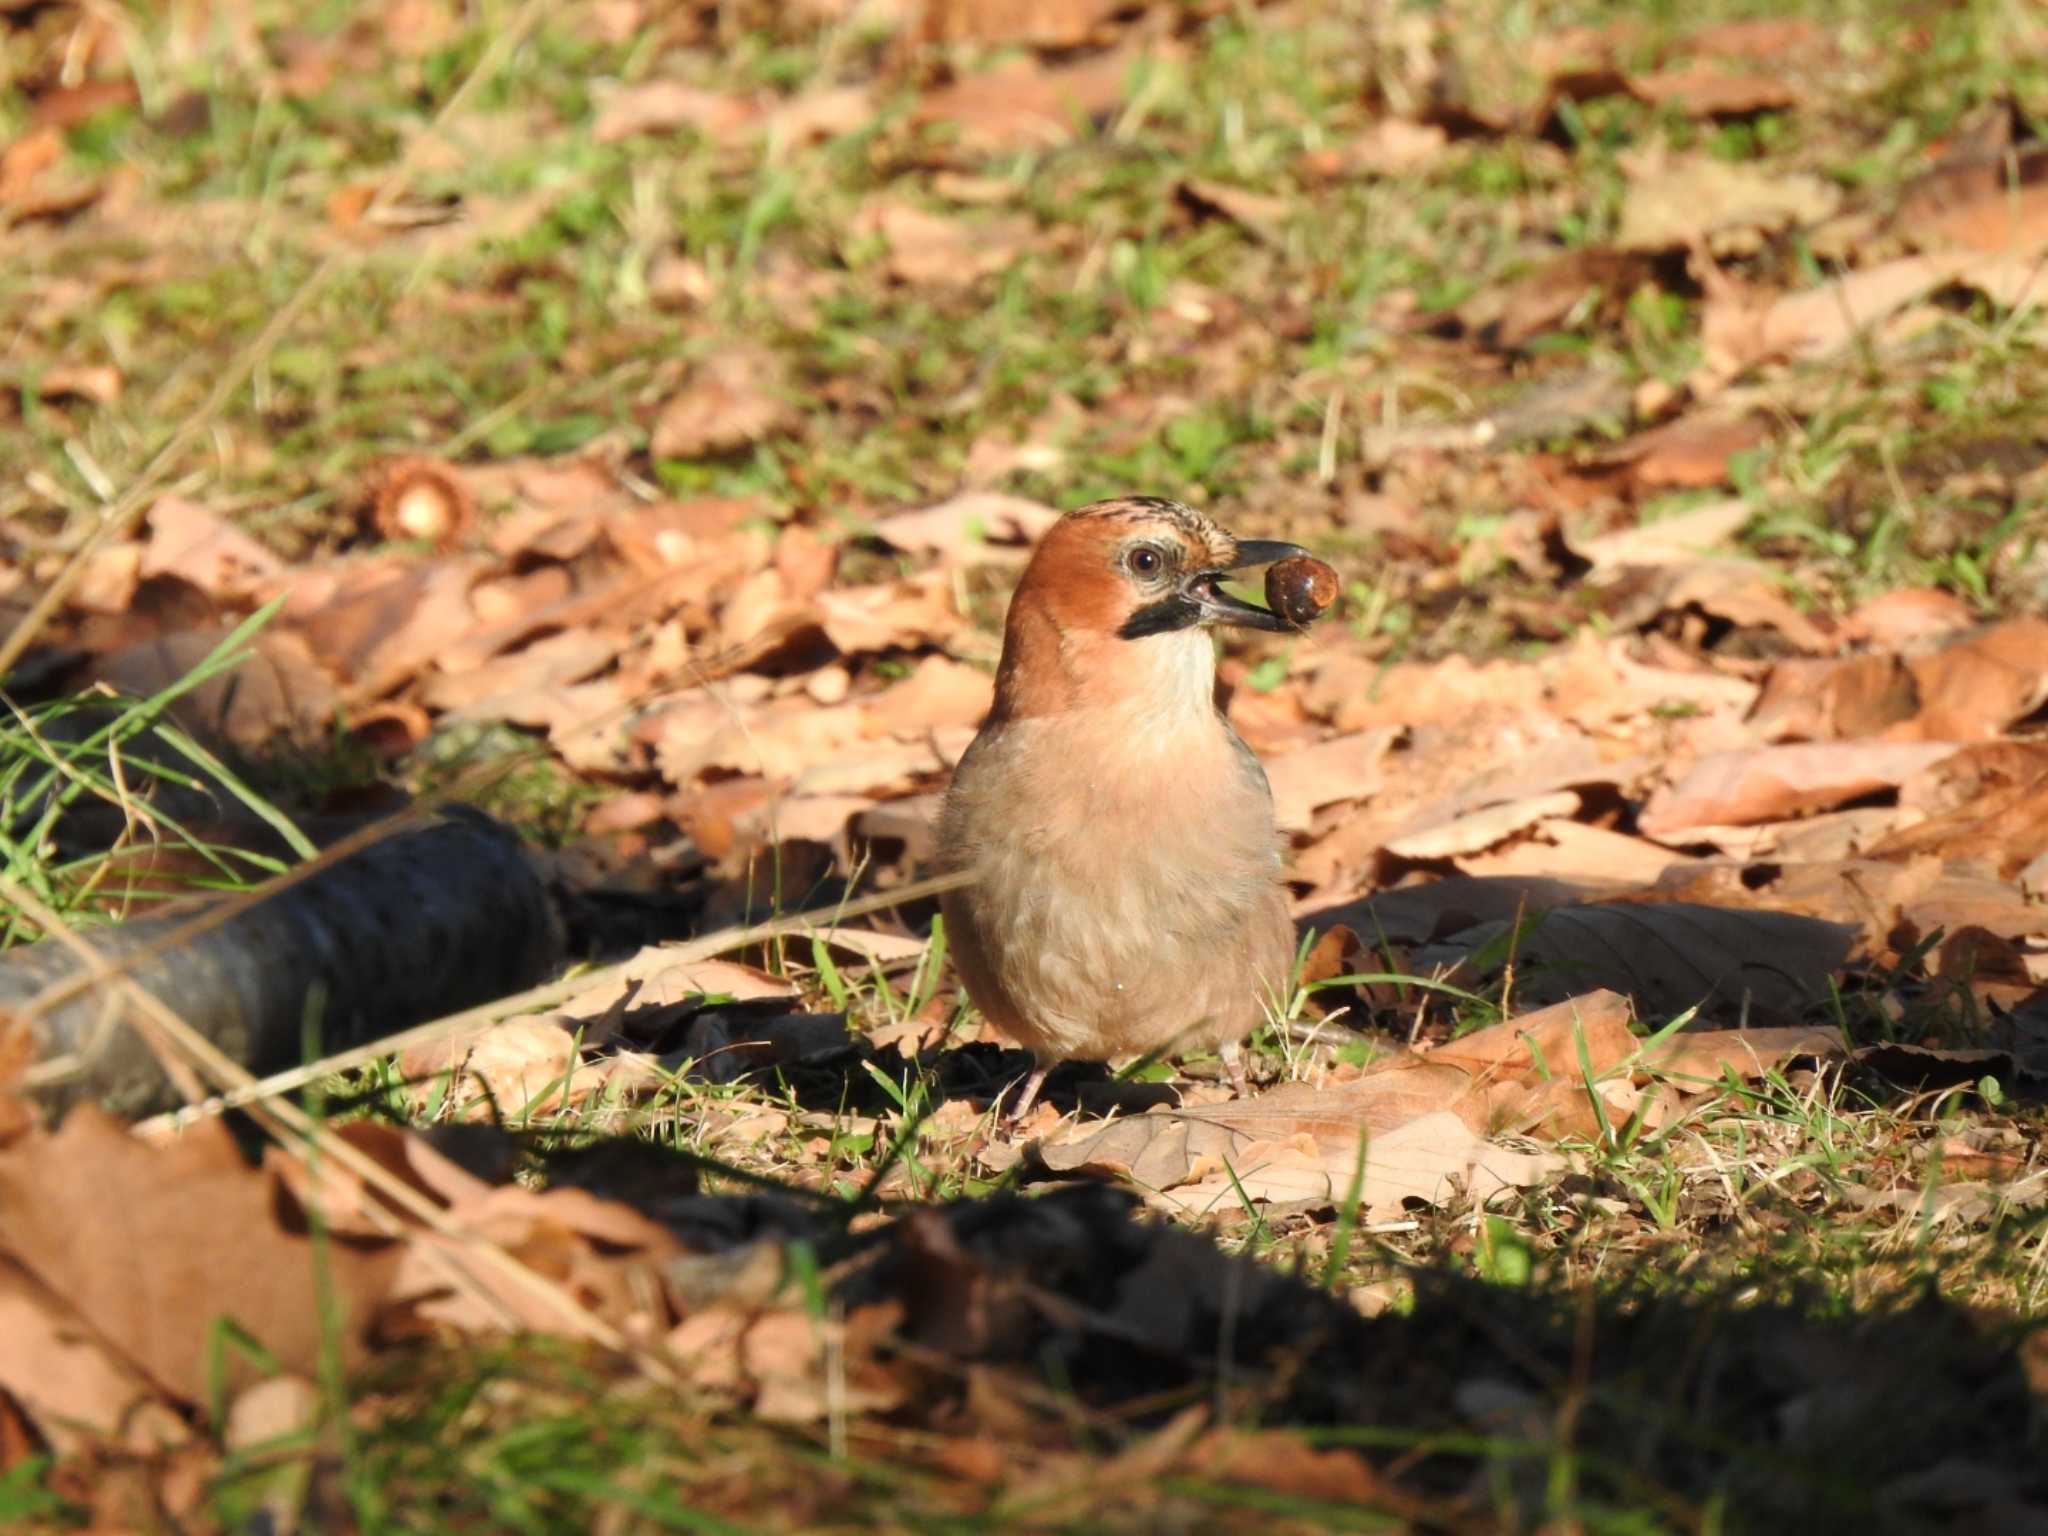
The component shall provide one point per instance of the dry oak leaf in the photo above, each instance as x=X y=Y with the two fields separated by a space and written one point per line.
x=98 y=383
x=662 y=106
x=1572 y=850
x=902 y=615
x=26 y=159
x=189 y=542
x=1050 y=24
x=1260 y=215
x=1476 y=831
x=939 y=692
x=1665 y=955
x=1301 y=1142
x=1435 y=1159
x=1992 y=811
x=655 y=978
x=1816 y=700
x=1976 y=687
x=1907 y=619
x=112 y=574
x=1542 y=300
x=968 y=527
x=276 y=694
x=729 y=404
x=1994 y=202
x=152 y=1245
x=1024 y=106
x=926 y=250
x=503 y=687
x=1704 y=91
x=376 y=623
x=1675 y=201
x=1775 y=783
x=1739 y=327
x=513 y=1068
x=1689 y=453
x=1696 y=1060
x=1333 y=772
x=71 y=1386
x=1392 y=146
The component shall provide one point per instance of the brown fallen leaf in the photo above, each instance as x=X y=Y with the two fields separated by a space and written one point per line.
x=1704 y=91
x=503 y=687
x=730 y=403
x=1994 y=202
x=1572 y=850
x=112 y=574
x=904 y=615
x=1583 y=1038
x=938 y=692
x=1992 y=811
x=1698 y=1059
x=1049 y=24
x=662 y=106
x=1979 y=685
x=1301 y=1142
x=824 y=113
x=1574 y=284
x=276 y=695
x=926 y=250
x=1333 y=772
x=1392 y=146
x=377 y=623
x=654 y=978
x=73 y=1388
x=974 y=526
x=1259 y=214
x=24 y=160
x=1907 y=618
x=1689 y=453
x=1677 y=200
x=1289 y=1466
x=1740 y=591
x=512 y=1069
x=152 y=1246
x=1839 y=700
x=1476 y=831
x=1435 y=1158
x=1773 y=783
x=1022 y=105
x=1739 y=328
x=100 y=383
x=189 y=542
x=1667 y=956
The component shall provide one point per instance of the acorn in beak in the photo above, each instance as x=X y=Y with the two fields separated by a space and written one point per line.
x=1210 y=604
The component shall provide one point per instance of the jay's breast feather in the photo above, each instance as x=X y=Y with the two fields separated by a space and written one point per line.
x=1128 y=894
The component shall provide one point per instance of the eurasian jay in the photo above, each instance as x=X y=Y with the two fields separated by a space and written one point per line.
x=1127 y=896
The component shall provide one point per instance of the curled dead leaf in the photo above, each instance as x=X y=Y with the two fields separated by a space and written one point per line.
x=730 y=404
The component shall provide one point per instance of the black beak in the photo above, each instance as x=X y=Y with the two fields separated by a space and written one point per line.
x=1202 y=600
x=1217 y=606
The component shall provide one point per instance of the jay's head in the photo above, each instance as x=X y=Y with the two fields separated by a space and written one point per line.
x=1116 y=605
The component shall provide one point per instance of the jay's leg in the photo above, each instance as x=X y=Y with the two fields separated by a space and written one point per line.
x=1032 y=1083
x=1233 y=1063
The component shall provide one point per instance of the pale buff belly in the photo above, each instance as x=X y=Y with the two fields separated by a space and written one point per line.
x=1124 y=923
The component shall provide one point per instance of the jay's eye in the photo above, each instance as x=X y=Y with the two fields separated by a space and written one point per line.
x=1144 y=561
